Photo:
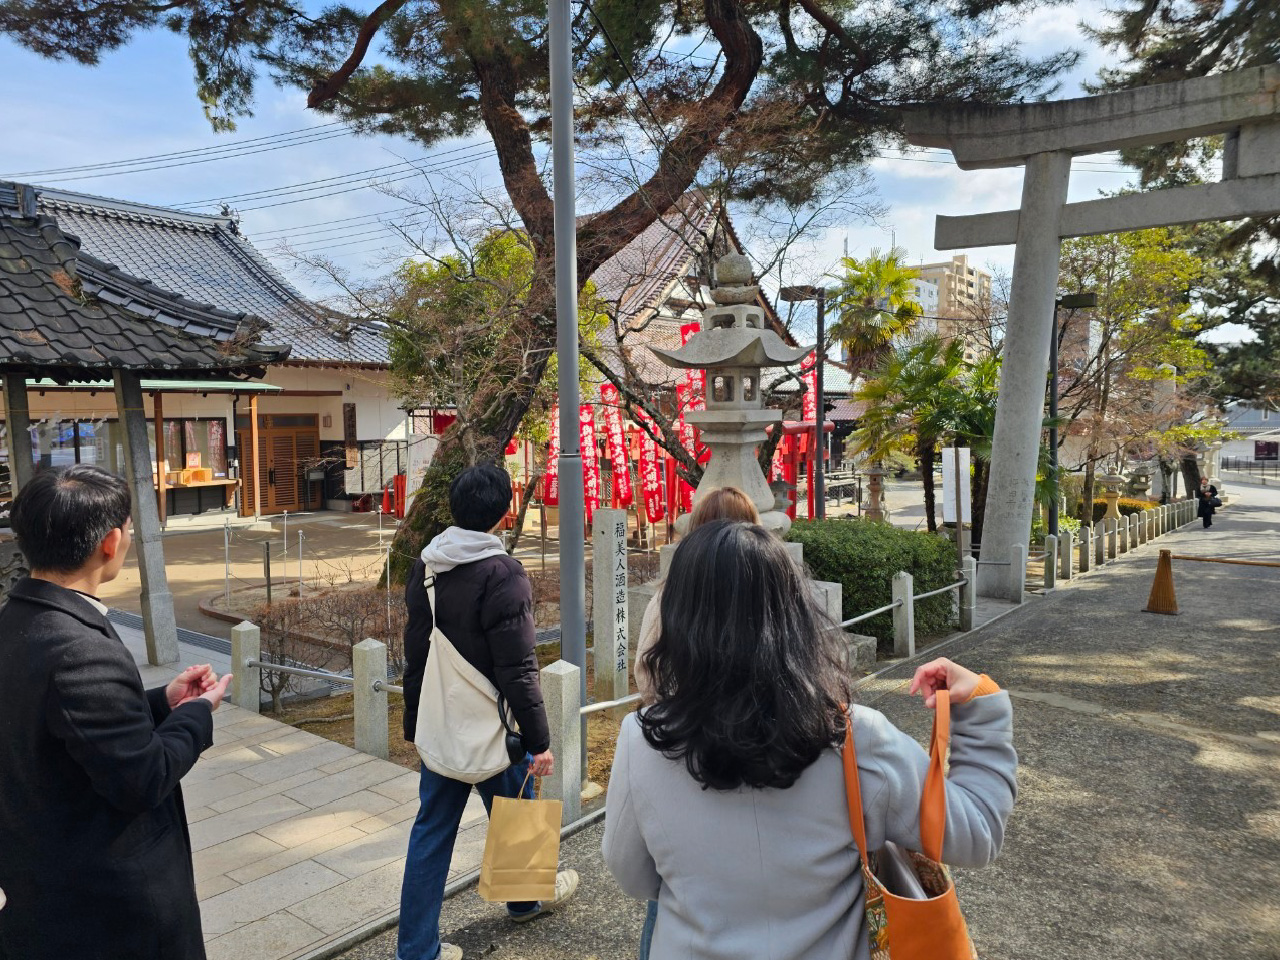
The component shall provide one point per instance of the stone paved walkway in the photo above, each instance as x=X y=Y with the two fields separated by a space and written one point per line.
x=1148 y=822
x=298 y=840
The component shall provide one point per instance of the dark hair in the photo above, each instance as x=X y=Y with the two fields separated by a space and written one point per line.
x=61 y=515
x=749 y=682
x=480 y=496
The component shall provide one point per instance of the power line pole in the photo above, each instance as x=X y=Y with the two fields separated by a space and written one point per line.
x=573 y=597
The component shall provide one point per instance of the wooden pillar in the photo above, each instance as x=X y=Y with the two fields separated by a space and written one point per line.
x=162 y=506
x=254 y=481
x=158 y=622
x=18 y=424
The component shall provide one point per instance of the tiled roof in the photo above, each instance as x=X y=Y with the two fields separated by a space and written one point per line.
x=205 y=259
x=66 y=316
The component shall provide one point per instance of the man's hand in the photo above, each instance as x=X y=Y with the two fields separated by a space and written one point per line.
x=215 y=693
x=542 y=764
x=942 y=674
x=190 y=684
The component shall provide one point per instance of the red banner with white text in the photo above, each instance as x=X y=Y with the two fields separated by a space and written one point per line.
x=809 y=407
x=617 y=440
x=590 y=463
x=651 y=474
x=551 y=479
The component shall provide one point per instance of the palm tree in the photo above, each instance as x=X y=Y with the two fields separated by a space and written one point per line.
x=875 y=304
x=911 y=402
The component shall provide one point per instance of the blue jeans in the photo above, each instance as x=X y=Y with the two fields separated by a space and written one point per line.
x=441 y=803
x=646 y=932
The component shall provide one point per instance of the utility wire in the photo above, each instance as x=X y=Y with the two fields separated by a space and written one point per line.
x=194 y=151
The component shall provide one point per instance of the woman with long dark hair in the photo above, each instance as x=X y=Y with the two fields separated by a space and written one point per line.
x=727 y=801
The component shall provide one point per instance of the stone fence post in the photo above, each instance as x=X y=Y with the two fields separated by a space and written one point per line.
x=1122 y=530
x=969 y=592
x=1067 y=552
x=562 y=697
x=1113 y=538
x=904 y=615
x=1100 y=543
x=369 y=663
x=1050 y=561
x=1086 y=547
x=246 y=682
x=1018 y=572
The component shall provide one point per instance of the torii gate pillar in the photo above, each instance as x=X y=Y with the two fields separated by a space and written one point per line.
x=1245 y=105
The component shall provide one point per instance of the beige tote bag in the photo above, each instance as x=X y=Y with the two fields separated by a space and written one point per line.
x=521 y=850
x=459 y=733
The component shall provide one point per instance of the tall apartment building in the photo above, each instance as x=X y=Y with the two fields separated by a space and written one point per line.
x=964 y=298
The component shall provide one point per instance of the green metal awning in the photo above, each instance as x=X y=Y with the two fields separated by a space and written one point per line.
x=164 y=386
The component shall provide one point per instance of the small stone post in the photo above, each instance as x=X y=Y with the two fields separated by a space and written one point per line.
x=246 y=682
x=1017 y=572
x=1134 y=538
x=1122 y=530
x=1050 y=561
x=560 y=694
x=1067 y=551
x=1086 y=547
x=904 y=615
x=969 y=592
x=1113 y=538
x=609 y=604
x=369 y=663
x=1100 y=543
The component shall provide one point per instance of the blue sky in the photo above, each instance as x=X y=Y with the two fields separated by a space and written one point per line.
x=140 y=101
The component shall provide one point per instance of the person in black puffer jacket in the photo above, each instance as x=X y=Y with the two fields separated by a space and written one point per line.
x=484 y=606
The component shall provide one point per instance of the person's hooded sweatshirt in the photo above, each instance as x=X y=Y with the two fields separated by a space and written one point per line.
x=484 y=605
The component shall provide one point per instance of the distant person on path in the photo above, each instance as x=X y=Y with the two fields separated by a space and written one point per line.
x=727 y=801
x=1208 y=503
x=722 y=503
x=485 y=607
x=95 y=859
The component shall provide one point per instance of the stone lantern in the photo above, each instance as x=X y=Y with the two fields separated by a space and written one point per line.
x=734 y=346
x=1112 y=482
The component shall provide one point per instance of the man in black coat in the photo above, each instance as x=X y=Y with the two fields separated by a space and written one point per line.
x=484 y=607
x=95 y=859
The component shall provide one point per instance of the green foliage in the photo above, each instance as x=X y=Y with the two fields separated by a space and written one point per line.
x=863 y=557
x=874 y=304
x=1126 y=505
x=1040 y=528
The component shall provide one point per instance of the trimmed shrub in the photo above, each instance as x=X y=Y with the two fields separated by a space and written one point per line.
x=1040 y=528
x=1126 y=506
x=863 y=557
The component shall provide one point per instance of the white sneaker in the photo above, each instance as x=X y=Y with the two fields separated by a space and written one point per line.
x=449 y=952
x=566 y=887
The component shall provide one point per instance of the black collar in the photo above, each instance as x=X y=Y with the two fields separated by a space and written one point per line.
x=70 y=602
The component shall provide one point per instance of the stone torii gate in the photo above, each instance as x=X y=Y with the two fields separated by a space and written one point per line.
x=1043 y=137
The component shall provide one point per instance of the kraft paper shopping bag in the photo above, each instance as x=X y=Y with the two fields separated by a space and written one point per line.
x=521 y=851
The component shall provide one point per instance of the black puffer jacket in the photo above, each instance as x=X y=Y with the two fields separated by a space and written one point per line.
x=486 y=611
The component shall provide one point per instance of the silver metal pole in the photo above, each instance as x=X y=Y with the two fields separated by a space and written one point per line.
x=226 y=562
x=299 y=564
x=573 y=590
x=820 y=440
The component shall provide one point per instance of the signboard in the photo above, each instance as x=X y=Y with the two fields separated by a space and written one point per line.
x=949 y=485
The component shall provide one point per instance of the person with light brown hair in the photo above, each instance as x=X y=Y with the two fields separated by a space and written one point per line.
x=722 y=503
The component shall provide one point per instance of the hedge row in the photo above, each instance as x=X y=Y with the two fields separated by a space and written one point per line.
x=863 y=557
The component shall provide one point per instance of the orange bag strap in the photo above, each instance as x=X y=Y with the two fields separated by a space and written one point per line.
x=853 y=789
x=933 y=803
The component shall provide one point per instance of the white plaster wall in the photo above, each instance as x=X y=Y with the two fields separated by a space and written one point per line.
x=377 y=416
